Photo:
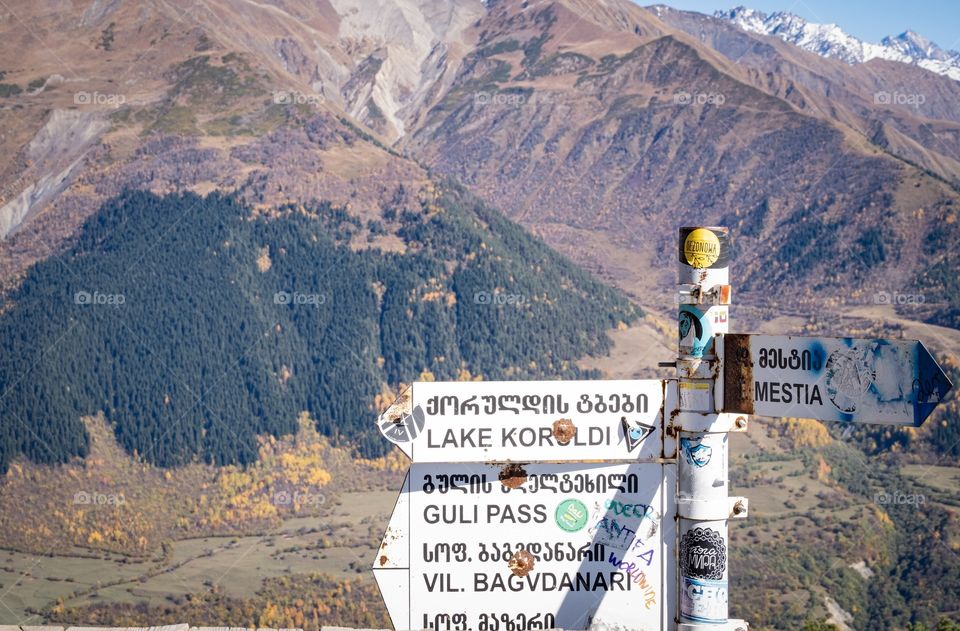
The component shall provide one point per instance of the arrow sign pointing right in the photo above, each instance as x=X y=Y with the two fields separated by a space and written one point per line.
x=887 y=382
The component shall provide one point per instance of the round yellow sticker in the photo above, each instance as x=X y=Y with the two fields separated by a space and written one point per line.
x=701 y=248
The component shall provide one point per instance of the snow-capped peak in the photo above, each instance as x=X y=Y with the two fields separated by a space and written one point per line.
x=829 y=40
x=915 y=45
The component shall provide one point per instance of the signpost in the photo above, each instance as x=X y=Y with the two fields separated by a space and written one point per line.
x=703 y=507
x=887 y=382
x=527 y=421
x=603 y=504
x=537 y=546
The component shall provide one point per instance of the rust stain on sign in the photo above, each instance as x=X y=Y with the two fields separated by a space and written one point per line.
x=737 y=374
x=401 y=407
x=671 y=429
x=383 y=560
x=388 y=537
x=512 y=476
x=521 y=563
x=564 y=430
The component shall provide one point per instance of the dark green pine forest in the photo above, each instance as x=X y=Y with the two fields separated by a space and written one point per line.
x=160 y=316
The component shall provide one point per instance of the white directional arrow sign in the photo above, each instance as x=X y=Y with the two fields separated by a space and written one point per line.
x=888 y=382
x=527 y=421
x=542 y=546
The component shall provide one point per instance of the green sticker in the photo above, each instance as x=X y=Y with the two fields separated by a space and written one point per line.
x=572 y=515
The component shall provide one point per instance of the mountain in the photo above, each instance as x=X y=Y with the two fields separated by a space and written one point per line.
x=597 y=125
x=217 y=216
x=301 y=310
x=901 y=110
x=602 y=134
x=171 y=96
x=620 y=111
x=829 y=40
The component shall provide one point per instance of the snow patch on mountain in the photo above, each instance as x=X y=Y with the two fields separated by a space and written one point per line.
x=829 y=40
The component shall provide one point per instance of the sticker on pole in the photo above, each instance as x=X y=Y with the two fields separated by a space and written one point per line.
x=703 y=248
x=703 y=575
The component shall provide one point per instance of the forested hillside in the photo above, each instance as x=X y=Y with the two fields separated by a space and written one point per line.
x=195 y=325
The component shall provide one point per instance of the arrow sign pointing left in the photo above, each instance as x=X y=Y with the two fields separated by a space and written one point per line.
x=527 y=421
x=555 y=546
x=886 y=382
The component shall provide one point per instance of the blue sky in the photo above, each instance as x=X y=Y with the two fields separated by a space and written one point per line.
x=871 y=20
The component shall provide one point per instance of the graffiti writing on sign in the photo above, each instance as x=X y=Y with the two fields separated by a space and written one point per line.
x=932 y=389
x=849 y=377
x=613 y=532
x=703 y=554
x=640 y=511
x=694 y=452
x=638 y=576
x=621 y=524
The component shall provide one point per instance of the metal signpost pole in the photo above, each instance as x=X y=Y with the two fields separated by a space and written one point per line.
x=703 y=506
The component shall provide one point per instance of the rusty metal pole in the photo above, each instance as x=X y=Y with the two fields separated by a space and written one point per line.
x=703 y=506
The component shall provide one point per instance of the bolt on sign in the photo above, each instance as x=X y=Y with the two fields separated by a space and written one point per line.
x=886 y=382
x=535 y=546
x=527 y=421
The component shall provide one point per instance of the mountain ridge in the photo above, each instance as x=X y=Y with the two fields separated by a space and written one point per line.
x=629 y=138
x=830 y=40
x=542 y=65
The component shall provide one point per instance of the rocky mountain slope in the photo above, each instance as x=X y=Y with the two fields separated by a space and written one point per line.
x=901 y=109
x=173 y=96
x=604 y=135
x=599 y=125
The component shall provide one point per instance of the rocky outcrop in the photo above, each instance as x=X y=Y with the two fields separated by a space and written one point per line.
x=53 y=157
x=406 y=47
